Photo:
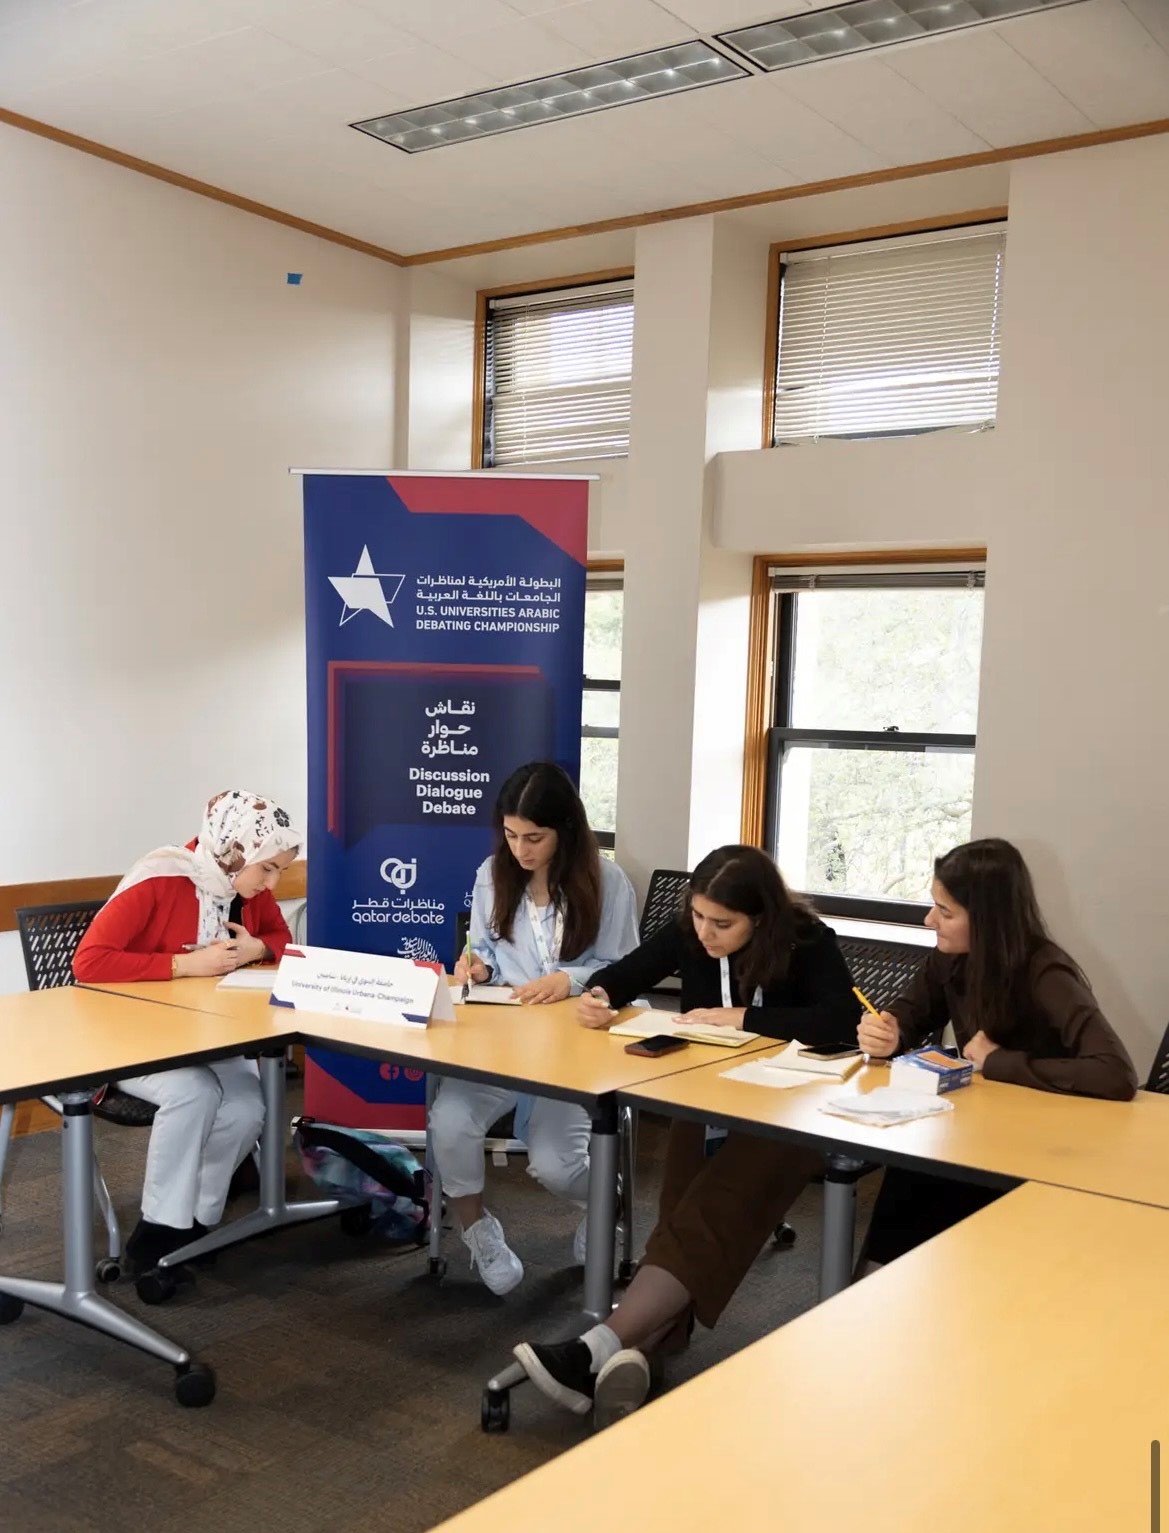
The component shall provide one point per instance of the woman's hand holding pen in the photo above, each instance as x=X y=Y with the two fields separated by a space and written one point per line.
x=474 y=973
x=593 y=1009
x=879 y=1035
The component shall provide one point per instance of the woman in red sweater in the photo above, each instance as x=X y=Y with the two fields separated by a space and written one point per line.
x=170 y=918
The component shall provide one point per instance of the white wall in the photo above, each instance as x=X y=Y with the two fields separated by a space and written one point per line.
x=1068 y=494
x=158 y=376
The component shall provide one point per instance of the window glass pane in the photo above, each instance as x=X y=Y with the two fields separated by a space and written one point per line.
x=869 y=824
x=598 y=782
x=601 y=708
x=881 y=658
x=602 y=643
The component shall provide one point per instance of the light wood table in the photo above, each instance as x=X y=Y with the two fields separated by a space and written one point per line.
x=66 y=1042
x=997 y=1135
x=1007 y=1376
x=538 y=1049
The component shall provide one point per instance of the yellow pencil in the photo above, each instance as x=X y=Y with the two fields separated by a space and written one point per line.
x=865 y=1002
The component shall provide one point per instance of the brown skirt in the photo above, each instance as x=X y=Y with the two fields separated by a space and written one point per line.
x=717 y=1211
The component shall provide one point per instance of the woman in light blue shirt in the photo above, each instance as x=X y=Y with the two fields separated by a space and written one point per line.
x=547 y=911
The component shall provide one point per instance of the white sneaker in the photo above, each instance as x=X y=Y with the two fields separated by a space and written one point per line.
x=580 y=1242
x=621 y=1387
x=499 y=1266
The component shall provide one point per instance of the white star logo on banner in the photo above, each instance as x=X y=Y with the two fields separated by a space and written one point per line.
x=364 y=591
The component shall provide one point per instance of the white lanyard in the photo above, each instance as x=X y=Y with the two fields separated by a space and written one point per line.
x=548 y=959
x=724 y=969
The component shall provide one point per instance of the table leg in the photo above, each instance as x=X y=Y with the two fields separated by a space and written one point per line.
x=601 y=1214
x=437 y=1261
x=275 y=1210
x=839 y=1227
x=75 y=1298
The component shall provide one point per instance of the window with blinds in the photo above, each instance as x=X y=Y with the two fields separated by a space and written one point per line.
x=558 y=369
x=891 y=337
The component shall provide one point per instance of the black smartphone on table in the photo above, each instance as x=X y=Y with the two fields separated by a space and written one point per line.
x=660 y=1043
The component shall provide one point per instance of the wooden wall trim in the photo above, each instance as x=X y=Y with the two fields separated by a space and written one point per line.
x=550 y=284
x=759 y=647
x=771 y=344
x=606 y=566
x=200 y=188
x=891 y=231
x=479 y=380
x=913 y=171
x=60 y=891
x=758 y=718
x=808 y=189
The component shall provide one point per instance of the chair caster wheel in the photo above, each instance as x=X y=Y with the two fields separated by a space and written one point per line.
x=785 y=1237
x=156 y=1287
x=10 y=1309
x=625 y=1271
x=358 y=1220
x=436 y=1266
x=495 y=1411
x=194 y=1385
x=108 y=1270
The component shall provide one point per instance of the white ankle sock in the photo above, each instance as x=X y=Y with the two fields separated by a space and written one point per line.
x=602 y=1344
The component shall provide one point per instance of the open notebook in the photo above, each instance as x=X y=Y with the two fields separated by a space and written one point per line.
x=653 y=1024
x=248 y=979
x=793 y=1058
x=485 y=995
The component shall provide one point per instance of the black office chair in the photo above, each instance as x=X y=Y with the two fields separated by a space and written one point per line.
x=1158 y=1080
x=882 y=970
x=49 y=937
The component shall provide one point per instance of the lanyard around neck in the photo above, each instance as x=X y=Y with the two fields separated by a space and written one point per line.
x=724 y=969
x=549 y=957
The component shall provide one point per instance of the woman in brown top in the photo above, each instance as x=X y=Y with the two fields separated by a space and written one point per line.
x=1021 y=1009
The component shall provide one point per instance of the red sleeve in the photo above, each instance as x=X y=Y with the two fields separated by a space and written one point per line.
x=104 y=955
x=264 y=919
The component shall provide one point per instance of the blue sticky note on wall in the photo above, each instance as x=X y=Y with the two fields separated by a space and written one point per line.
x=294 y=278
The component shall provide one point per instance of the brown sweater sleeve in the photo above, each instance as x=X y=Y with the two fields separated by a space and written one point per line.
x=1097 y=1063
x=922 y=1009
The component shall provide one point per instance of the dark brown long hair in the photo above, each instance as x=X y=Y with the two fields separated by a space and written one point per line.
x=543 y=793
x=745 y=880
x=992 y=883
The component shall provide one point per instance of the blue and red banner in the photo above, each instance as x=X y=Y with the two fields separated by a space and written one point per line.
x=445 y=632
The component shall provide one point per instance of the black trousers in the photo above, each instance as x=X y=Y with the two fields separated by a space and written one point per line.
x=912 y=1207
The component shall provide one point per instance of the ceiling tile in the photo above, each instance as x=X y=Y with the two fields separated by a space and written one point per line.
x=761 y=114
x=987 y=86
x=1153 y=16
x=436 y=22
x=423 y=75
x=336 y=31
x=1100 y=56
x=883 y=111
x=539 y=7
x=727 y=15
x=522 y=50
x=607 y=29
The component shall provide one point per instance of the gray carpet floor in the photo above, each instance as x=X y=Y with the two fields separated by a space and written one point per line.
x=348 y=1379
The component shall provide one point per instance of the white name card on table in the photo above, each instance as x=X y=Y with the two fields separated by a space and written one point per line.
x=364 y=985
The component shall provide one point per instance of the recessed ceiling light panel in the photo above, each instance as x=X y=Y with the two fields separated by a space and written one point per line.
x=864 y=24
x=663 y=72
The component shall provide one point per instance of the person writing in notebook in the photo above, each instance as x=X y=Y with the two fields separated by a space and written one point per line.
x=546 y=911
x=169 y=918
x=1021 y=1010
x=750 y=955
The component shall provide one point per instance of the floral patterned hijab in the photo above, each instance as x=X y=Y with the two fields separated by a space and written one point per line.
x=238 y=828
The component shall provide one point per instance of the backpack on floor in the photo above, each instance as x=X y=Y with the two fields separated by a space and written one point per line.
x=361 y=1166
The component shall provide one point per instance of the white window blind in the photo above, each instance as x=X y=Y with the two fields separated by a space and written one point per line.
x=890 y=338
x=558 y=373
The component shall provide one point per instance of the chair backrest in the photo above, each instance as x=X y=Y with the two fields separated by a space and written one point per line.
x=663 y=900
x=1159 y=1075
x=49 y=935
x=881 y=969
